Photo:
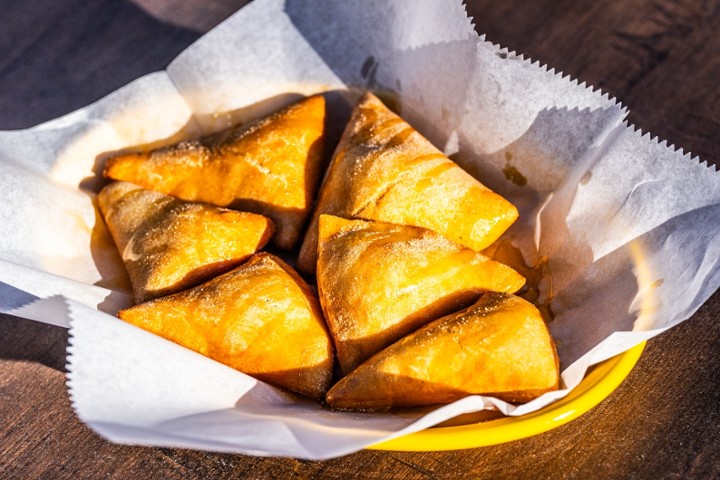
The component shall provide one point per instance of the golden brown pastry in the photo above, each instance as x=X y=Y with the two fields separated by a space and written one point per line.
x=383 y=169
x=259 y=318
x=271 y=166
x=499 y=346
x=378 y=281
x=169 y=244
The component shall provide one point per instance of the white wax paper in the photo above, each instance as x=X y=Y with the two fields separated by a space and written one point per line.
x=630 y=226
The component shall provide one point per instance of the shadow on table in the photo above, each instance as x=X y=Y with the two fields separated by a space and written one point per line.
x=69 y=62
x=27 y=340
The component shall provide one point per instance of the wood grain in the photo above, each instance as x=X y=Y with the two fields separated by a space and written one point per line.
x=658 y=57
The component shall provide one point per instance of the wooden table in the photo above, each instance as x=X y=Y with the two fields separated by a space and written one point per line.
x=660 y=58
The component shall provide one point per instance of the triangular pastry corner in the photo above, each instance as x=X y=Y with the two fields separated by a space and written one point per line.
x=260 y=318
x=168 y=244
x=500 y=347
x=271 y=166
x=383 y=169
x=379 y=281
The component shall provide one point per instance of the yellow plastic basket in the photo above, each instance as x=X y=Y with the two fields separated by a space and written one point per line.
x=600 y=381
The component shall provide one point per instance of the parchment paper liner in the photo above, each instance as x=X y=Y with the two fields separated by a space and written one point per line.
x=598 y=195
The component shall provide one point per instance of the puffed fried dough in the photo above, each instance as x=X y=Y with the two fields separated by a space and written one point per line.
x=169 y=244
x=260 y=318
x=378 y=281
x=271 y=166
x=499 y=346
x=383 y=169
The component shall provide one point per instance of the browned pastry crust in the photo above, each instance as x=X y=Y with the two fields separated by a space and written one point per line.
x=271 y=166
x=378 y=281
x=499 y=346
x=169 y=244
x=260 y=318
x=383 y=169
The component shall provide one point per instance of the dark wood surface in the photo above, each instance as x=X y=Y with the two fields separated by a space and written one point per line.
x=660 y=58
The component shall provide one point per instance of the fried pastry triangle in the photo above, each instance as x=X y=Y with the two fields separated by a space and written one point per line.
x=383 y=169
x=259 y=318
x=378 y=281
x=499 y=346
x=271 y=166
x=169 y=244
